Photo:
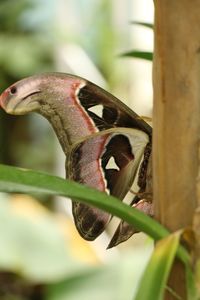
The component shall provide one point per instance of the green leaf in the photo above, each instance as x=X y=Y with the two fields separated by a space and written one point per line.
x=26 y=181
x=139 y=54
x=190 y=283
x=154 y=280
x=145 y=24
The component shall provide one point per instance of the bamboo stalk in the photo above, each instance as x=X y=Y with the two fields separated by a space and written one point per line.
x=176 y=81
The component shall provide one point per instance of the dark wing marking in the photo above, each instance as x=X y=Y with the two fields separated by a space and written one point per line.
x=88 y=163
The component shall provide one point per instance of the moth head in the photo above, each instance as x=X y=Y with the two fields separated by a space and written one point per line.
x=21 y=97
x=33 y=93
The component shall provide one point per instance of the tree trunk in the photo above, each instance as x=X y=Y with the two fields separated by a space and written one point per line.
x=176 y=80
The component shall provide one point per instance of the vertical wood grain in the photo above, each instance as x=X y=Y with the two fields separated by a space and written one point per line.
x=176 y=81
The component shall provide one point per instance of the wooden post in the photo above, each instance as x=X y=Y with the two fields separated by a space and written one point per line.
x=176 y=81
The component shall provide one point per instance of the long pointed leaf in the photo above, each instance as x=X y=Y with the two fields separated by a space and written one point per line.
x=13 y=179
x=145 y=24
x=26 y=181
x=191 y=286
x=139 y=54
x=154 y=280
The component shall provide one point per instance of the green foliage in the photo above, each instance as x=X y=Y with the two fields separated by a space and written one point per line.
x=139 y=54
x=25 y=181
x=12 y=10
x=22 y=51
x=147 y=25
x=191 y=284
x=26 y=56
x=154 y=280
x=147 y=55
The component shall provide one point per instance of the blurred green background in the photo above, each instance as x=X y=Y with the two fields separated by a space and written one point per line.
x=41 y=255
